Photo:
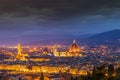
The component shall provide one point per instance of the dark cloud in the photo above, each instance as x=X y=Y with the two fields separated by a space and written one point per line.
x=54 y=9
x=25 y=15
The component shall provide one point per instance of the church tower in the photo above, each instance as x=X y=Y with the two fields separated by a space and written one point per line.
x=19 y=49
x=19 y=54
x=55 y=51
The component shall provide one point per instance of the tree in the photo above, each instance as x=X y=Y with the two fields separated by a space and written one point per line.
x=110 y=71
x=71 y=78
x=89 y=76
x=94 y=73
x=42 y=76
x=99 y=73
x=117 y=74
x=76 y=78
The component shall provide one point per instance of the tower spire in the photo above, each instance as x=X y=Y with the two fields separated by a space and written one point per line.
x=19 y=48
x=74 y=41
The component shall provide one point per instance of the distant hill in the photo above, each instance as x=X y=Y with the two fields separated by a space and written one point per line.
x=54 y=39
x=105 y=37
x=109 y=37
x=66 y=39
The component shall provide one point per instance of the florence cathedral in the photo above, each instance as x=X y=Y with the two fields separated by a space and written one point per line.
x=74 y=51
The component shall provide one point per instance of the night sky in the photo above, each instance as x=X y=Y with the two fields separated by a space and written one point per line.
x=44 y=19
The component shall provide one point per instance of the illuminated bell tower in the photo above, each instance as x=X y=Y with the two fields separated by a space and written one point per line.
x=19 y=49
x=19 y=55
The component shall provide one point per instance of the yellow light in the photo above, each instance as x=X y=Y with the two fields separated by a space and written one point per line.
x=106 y=75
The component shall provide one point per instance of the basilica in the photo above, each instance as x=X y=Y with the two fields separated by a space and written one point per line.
x=74 y=51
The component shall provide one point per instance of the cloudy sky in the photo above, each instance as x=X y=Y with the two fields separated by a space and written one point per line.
x=48 y=18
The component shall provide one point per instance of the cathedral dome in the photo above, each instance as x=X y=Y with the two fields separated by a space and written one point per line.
x=74 y=47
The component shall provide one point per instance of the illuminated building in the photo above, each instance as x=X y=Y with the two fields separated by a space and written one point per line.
x=19 y=55
x=55 y=53
x=45 y=69
x=74 y=48
x=74 y=51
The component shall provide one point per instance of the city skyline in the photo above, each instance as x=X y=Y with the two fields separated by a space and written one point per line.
x=59 y=40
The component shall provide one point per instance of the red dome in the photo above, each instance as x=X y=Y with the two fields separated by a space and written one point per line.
x=74 y=47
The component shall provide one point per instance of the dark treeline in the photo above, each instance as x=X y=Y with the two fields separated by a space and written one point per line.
x=101 y=73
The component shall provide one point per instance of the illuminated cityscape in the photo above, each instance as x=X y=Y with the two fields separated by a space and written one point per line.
x=59 y=39
x=25 y=62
